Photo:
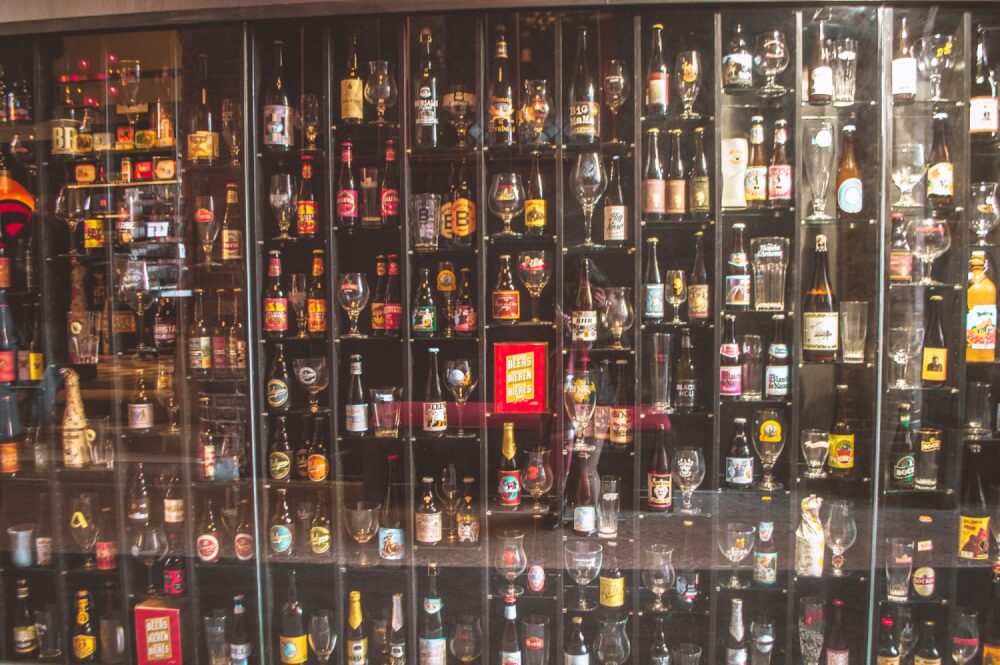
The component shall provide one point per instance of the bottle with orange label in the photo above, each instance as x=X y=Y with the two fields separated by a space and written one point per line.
x=83 y=635
x=10 y=448
x=980 y=312
x=275 y=300
x=306 y=212
x=318 y=462
x=506 y=297
x=316 y=297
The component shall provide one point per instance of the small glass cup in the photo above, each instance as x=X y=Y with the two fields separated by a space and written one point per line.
x=370 y=202
x=425 y=213
x=977 y=410
x=215 y=639
x=853 y=330
x=815 y=449
x=769 y=261
x=84 y=339
x=49 y=634
x=535 y=628
x=608 y=507
x=845 y=67
x=898 y=568
x=927 y=466
x=687 y=653
x=466 y=640
x=753 y=368
x=983 y=212
x=22 y=542
x=385 y=411
x=662 y=345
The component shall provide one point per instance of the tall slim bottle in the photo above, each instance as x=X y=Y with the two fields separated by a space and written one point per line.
x=842 y=438
x=396 y=632
x=699 y=302
x=278 y=113
x=583 y=323
x=654 y=187
x=657 y=76
x=435 y=409
x=616 y=217
x=202 y=136
x=76 y=448
x=391 y=533
x=652 y=284
x=820 y=318
x=983 y=112
x=584 y=103
x=934 y=357
x=509 y=472
x=700 y=185
x=940 y=168
x=356 y=637
x=293 y=644
x=433 y=645
x=821 y=68
x=425 y=97
x=904 y=68
x=974 y=519
x=850 y=191
x=500 y=109
x=352 y=88
x=980 y=312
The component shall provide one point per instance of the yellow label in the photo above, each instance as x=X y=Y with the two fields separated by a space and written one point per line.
x=294 y=650
x=991 y=654
x=612 y=591
x=974 y=538
x=535 y=213
x=841 y=451
x=202 y=146
x=935 y=364
x=351 y=100
x=770 y=431
x=463 y=217
x=84 y=646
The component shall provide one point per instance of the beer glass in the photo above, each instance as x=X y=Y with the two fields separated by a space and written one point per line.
x=658 y=574
x=688 y=67
x=929 y=238
x=22 y=540
x=588 y=180
x=689 y=471
x=608 y=507
x=425 y=213
x=753 y=368
x=580 y=400
x=815 y=449
x=898 y=568
x=612 y=646
x=361 y=522
x=583 y=563
x=380 y=88
x=964 y=636
x=457 y=103
x=506 y=200
x=662 y=363
x=615 y=85
x=536 y=639
x=284 y=199
x=840 y=531
x=534 y=271
x=385 y=411
x=762 y=633
x=112 y=639
x=853 y=330
x=769 y=262
x=536 y=105
x=460 y=379
x=925 y=476
x=617 y=314
x=770 y=59
x=215 y=638
x=983 y=213
x=369 y=200
x=511 y=560
x=322 y=636
x=310 y=122
x=297 y=298
x=935 y=58
x=908 y=166
x=466 y=640
x=811 y=629
x=845 y=68
x=768 y=441
x=818 y=164
x=130 y=77
x=353 y=295
x=676 y=293
x=735 y=541
x=49 y=634
x=904 y=342
x=312 y=374
x=687 y=653
x=232 y=128
x=977 y=410
x=538 y=478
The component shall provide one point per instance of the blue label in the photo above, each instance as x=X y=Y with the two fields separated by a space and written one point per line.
x=281 y=539
x=391 y=543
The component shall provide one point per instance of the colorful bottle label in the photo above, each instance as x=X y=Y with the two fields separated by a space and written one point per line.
x=779 y=182
x=208 y=547
x=535 y=213
x=900 y=265
x=281 y=538
x=509 y=488
x=357 y=418
x=941 y=179
x=428 y=527
x=654 y=196
x=317 y=468
x=765 y=567
x=697 y=301
x=506 y=305
x=351 y=99
x=676 y=203
x=106 y=553
x=424 y=319
x=583 y=325
x=465 y=318
x=934 y=364
x=277 y=394
x=584 y=119
x=737 y=70
x=738 y=290
x=391 y=543
x=278 y=125
x=347 y=204
x=983 y=115
x=612 y=591
x=173 y=511
x=730 y=380
x=320 y=539
x=243 y=546
x=389 y=202
x=653 y=301
x=661 y=496
x=305 y=216
x=850 y=196
x=435 y=416
x=820 y=331
x=980 y=328
x=755 y=184
x=536 y=578
x=739 y=471
x=841 y=451
x=615 y=219
x=294 y=650
x=84 y=646
x=275 y=314
x=974 y=538
x=357 y=651
x=173 y=582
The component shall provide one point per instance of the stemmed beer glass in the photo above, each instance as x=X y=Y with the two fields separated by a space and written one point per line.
x=506 y=200
x=461 y=382
x=353 y=296
x=689 y=81
x=818 y=163
x=284 y=200
x=616 y=87
x=534 y=272
x=589 y=180
x=617 y=314
x=380 y=88
x=770 y=58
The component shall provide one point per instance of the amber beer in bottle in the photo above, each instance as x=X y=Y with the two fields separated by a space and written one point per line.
x=535 y=207
x=378 y=297
x=698 y=301
x=700 y=185
x=779 y=172
x=393 y=307
x=306 y=212
x=320 y=538
x=904 y=68
x=351 y=88
x=275 y=300
x=83 y=636
x=208 y=544
x=391 y=533
x=821 y=69
x=940 y=169
x=983 y=115
x=25 y=633
x=506 y=297
x=611 y=583
x=842 y=439
x=316 y=297
x=509 y=472
x=232 y=226
x=356 y=639
x=425 y=97
x=934 y=363
x=677 y=194
x=584 y=103
x=974 y=520
x=654 y=187
x=730 y=361
x=615 y=211
x=389 y=187
x=821 y=320
x=980 y=312
x=348 y=210
x=850 y=193
x=500 y=109
x=583 y=321
x=738 y=272
x=293 y=646
x=659 y=478
x=657 y=76
x=755 y=178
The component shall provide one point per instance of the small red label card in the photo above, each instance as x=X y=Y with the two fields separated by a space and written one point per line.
x=519 y=381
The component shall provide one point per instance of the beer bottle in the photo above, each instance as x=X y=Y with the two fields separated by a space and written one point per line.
x=275 y=300
x=428 y=518
x=850 y=193
x=974 y=519
x=652 y=284
x=500 y=111
x=25 y=634
x=821 y=320
x=220 y=334
x=698 y=300
x=621 y=431
x=356 y=639
x=510 y=643
x=466 y=320
x=207 y=542
x=676 y=189
x=173 y=566
x=106 y=544
x=378 y=297
x=738 y=272
x=435 y=409
x=509 y=481
x=281 y=526
x=356 y=421
x=659 y=479
x=904 y=68
x=842 y=441
x=991 y=631
x=535 y=206
x=765 y=554
x=576 y=651
x=685 y=376
x=657 y=76
x=888 y=652
x=138 y=504
x=10 y=446
x=351 y=88
x=320 y=535
x=140 y=406
x=583 y=321
x=980 y=312
x=940 y=169
x=240 y=646
x=200 y=338
x=425 y=97
x=278 y=393
x=43 y=533
x=202 y=138
x=467 y=520
x=730 y=361
x=902 y=462
x=601 y=422
x=391 y=534
x=536 y=559
x=779 y=171
x=446 y=236
x=926 y=651
x=348 y=210
x=821 y=68
x=739 y=457
x=924 y=576
x=838 y=649
x=659 y=652
x=688 y=577
x=615 y=211
x=292 y=639
x=654 y=187
x=316 y=297
x=584 y=504
x=424 y=315
x=433 y=645
x=777 y=369
x=737 y=64
x=396 y=638
x=393 y=308
x=306 y=211
x=584 y=104
x=700 y=179
x=506 y=297
x=900 y=255
x=83 y=635
x=611 y=583
x=165 y=327
x=232 y=227
x=389 y=187
x=934 y=364
x=755 y=178
x=279 y=116
x=463 y=209
x=318 y=463
x=737 y=644
x=983 y=115
x=243 y=538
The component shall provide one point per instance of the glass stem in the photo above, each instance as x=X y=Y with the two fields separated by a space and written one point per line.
x=588 y=213
x=534 y=308
x=459 y=405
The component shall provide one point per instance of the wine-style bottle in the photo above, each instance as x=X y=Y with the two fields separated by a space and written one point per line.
x=281 y=526
x=463 y=209
x=207 y=542
x=535 y=206
x=243 y=535
x=926 y=652
x=621 y=429
x=433 y=645
x=428 y=517
x=348 y=208
x=240 y=645
x=467 y=520
x=396 y=630
x=278 y=387
x=320 y=534
x=652 y=284
x=232 y=227
x=730 y=361
x=83 y=635
x=165 y=327
x=435 y=409
x=583 y=320
x=389 y=187
x=934 y=358
x=466 y=318
x=278 y=113
x=356 y=637
x=424 y=312
x=739 y=457
x=318 y=462
x=500 y=109
x=820 y=318
x=685 y=378
x=356 y=408
x=307 y=208
x=737 y=64
x=699 y=303
x=888 y=652
x=778 y=368
x=293 y=644
x=174 y=568
x=584 y=503
x=576 y=651
x=821 y=68
x=391 y=533
x=659 y=478
x=974 y=517
x=584 y=104
x=510 y=643
x=654 y=187
x=836 y=644
x=393 y=308
x=755 y=176
x=737 y=644
x=378 y=297
x=137 y=499
x=173 y=501
x=506 y=297
x=352 y=87
x=316 y=310
x=983 y=113
x=940 y=169
x=509 y=471
x=425 y=97
x=850 y=191
x=904 y=68
x=76 y=448
x=676 y=177
x=902 y=461
x=765 y=554
x=220 y=334
x=202 y=136
x=615 y=210
x=657 y=76
x=700 y=179
x=199 y=338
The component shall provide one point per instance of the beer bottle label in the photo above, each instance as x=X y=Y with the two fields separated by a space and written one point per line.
x=351 y=99
x=973 y=538
x=821 y=81
x=465 y=318
x=982 y=115
x=317 y=468
x=347 y=204
x=904 y=76
x=612 y=591
x=676 y=203
x=173 y=511
x=106 y=553
x=305 y=216
x=737 y=70
x=684 y=393
x=536 y=578
x=755 y=184
x=510 y=658
x=923 y=580
x=232 y=245
x=701 y=194
x=738 y=290
x=850 y=196
x=391 y=312
x=463 y=217
x=903 y=470
x=239 y=654
x=656 y=88
x=900 y=265
x=779 y=182
x=887 y=660
x=653 y=301
x=357 y=418
x=202 y=146
x=173 y=582
x=428 y=527
x=278 y=125
x=698 y=307
x=654 y=196
x=535 y=213
x=9 y=464
x=8 y=366
x=433 y=650
x=921 y=660
x=934 y=366
x=281 y=538
x=435 y=416
x=391 y=543
x=506 y=305
x=730 y=380
x=584 y=519
x=277 y=394
x=841 y=451
x=991 y=653
x=838 y=656
x=941 y=179
x=378 y=316
x=425 y=108
x=576 y=659
x=243 y=546
x=468 y=529
x=980 y=328
x=140 y=416
x=614 y=222
x=509 y=488
x=357 y=651
x=776 y=381
x=765 y=567
x=736 y=656
x=424 y=319
x=583 y=323
x=621 y=425
x=820 y=331
x=316 y=312
x=43 y=550
x=275 y=314
x=294 y=649
x=739 y=471
x=319 y=539
x=84 y=646
x=584 y=118
x=660 y=491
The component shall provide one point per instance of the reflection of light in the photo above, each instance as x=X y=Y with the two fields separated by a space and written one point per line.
x=15 y=201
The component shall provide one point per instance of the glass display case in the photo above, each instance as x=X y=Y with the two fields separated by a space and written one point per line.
x=504 y=335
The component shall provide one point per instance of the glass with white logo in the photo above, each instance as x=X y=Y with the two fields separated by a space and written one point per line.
x=608 y=507
x=845 y=68
x=768 y=440
x=769 y=261
x=425 y=212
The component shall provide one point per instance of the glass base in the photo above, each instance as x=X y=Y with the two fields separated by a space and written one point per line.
x=768 y=485
x=690 y=115
x=209 y=264
x=585 y=605
x=977 y=433
x=589 y=244
x=693 y=510
x=814 y=474
x=508 y=233
x=772 y=90
x=283 y=236
x=512 y=590
x=734 y=583
x=819 y=217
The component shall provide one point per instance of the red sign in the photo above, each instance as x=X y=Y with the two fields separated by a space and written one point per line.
x=519 y=381
x=158 y=636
